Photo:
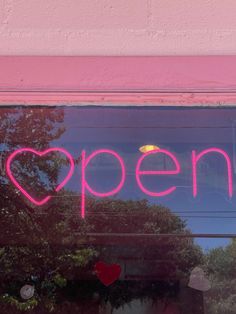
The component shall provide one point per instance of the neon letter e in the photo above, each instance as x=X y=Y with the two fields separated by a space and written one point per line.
x=160 y=172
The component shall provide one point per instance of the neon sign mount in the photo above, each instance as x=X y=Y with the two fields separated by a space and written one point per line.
x=85 y=160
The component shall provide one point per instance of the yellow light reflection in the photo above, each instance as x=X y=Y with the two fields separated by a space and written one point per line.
x=148 y=148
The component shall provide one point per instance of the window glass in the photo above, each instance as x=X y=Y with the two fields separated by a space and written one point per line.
x=117 y=210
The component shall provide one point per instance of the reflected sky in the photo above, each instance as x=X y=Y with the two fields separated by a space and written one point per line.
x=180 y=131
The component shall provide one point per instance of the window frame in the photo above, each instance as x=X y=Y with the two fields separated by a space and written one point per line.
x=138 y=81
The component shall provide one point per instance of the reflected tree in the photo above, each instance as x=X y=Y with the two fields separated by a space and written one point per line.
x=154 y=265
x=55 y=251
x=36 y=244
x=220 y=263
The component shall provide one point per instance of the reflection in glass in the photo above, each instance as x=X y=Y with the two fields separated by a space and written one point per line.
x=133 y=252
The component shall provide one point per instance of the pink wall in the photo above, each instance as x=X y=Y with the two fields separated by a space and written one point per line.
x=117 y=27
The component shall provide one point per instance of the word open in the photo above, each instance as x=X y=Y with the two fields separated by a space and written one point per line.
x=139 y=172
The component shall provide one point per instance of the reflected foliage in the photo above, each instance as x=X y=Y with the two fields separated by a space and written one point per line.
x=53 y=249
x=221 y=299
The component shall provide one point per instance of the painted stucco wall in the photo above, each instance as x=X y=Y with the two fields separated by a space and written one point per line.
x=117 y=27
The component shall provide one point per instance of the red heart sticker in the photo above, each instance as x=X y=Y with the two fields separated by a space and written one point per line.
x=43 y=153
x=106 y=273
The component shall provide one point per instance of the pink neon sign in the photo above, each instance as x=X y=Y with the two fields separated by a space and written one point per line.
x=45 y=152
x=85 y=160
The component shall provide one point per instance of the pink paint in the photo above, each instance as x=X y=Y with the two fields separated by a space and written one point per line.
x=86 y=186
x=139 y=172
x=119 y=99
x=108 y=27
x=117 y=74
x=45 y=152
x=195 y=159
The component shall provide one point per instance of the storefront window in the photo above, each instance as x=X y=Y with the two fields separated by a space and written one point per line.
x=117 y=210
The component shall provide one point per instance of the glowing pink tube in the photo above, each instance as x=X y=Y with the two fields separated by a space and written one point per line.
x=195 y=159
x=159 y=172
x=86 y=186
x=21 y=189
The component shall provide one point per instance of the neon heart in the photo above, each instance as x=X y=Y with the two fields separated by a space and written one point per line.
x=45 y=152
x=107 y=274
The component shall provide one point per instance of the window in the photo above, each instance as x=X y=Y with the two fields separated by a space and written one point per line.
x=117 y=210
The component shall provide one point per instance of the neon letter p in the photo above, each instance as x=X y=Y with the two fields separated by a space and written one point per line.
x=86 y=186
